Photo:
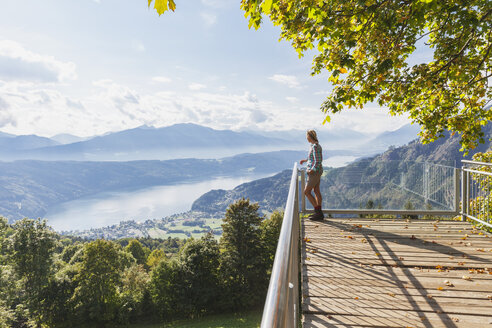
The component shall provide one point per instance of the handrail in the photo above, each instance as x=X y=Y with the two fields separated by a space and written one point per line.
x=476 y=194
x=282 y=301
x=466 y=161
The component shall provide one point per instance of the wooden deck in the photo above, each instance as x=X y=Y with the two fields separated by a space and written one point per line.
x=395 y=273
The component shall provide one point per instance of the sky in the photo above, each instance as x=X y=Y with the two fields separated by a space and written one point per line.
x=88 y=67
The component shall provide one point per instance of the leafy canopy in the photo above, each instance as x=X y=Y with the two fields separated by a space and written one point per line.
x=365 y=46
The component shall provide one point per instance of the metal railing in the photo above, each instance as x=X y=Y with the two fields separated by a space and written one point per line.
x=282 y=301
x=476 y=192
x=435 y=184
x=395 y=188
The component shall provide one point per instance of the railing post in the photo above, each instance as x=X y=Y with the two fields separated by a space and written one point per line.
x=464 y=194
x=296 y=263
x=303 y=186
x=457 y=190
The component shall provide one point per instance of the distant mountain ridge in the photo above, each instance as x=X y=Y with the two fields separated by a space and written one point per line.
x=147 y=143
x=189 y=141
x=11 y=143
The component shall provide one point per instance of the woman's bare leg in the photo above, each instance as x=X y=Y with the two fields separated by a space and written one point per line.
x=317 y=194
x=307 y=192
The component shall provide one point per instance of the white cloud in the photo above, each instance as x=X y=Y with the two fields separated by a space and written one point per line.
x=161 y=79
x=289 y=80
x=196 y=86
x=292 y=99
x=33 y=108
x=209 y=19
x=20 y=64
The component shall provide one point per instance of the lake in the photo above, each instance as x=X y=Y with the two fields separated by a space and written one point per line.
x=108 y=208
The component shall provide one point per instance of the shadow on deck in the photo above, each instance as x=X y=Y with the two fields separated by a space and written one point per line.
x=395 y=273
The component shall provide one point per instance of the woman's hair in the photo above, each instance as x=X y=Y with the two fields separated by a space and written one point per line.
x=312 y=135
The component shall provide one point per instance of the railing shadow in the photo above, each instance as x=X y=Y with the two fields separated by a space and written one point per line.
x=389 y=277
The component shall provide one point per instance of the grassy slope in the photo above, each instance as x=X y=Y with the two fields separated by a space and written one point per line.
x=245 y=320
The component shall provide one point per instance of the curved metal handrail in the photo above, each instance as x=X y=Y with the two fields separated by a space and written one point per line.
x=282 y=301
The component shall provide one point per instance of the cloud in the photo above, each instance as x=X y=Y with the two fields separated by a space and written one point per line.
x=110 y=106
x=76 y=104
x=6 y=116
x=208 y=19
x=161 y=79
x=20 y=64
x=292 y=99
x=196 y=86
x=289 y=80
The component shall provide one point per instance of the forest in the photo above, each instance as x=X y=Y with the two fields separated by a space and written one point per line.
x=49 y=280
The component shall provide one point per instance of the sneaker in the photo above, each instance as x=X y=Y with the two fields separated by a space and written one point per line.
x=317 y=216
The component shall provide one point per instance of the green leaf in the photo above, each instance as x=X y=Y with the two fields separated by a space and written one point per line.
x=327 y=119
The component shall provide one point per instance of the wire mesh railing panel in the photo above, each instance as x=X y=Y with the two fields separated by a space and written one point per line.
x=477 y=192
x=389 y=185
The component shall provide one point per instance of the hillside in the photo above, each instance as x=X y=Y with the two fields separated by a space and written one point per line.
x=29 y=188
x=352 y=186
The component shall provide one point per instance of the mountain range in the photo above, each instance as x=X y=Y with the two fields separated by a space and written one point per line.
x=189 y=141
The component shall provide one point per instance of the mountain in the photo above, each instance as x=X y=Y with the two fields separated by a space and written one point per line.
x=176 y=141
x=11 y=143
x=329 y=139
x=66 y=138
x=271 y=193
x=395 y=138
x=6 y=135
x=29 y=188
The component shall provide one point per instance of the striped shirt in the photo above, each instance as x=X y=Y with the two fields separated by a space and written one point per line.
x=315 y=158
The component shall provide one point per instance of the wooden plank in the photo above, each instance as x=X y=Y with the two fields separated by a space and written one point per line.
x=358 y=305
x=382 y=272
x=422 y=320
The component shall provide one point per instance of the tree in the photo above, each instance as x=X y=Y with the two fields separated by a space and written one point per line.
x=166 y=281
x=135 y=291
x=31 y=253
x=365 y=45
x=135 y=248
x=96 y=296
x=155 y=257
x=270 y=232
x=242 y=266
x=199 y=260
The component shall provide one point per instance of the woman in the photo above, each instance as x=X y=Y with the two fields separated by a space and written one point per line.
x=314 y=171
